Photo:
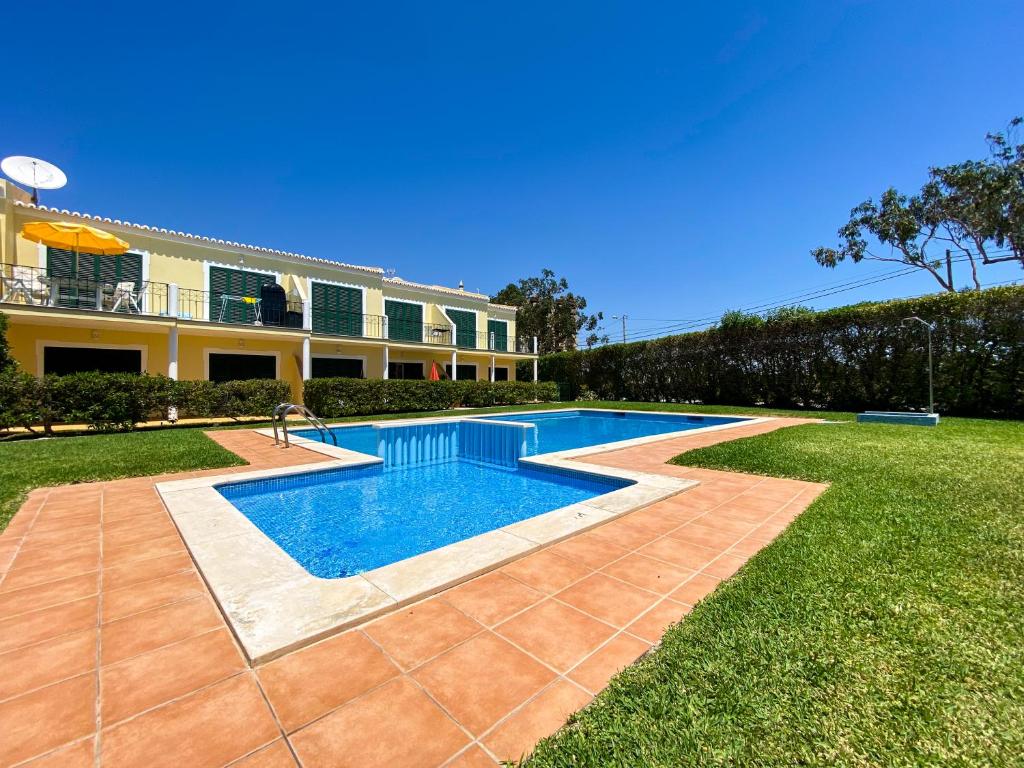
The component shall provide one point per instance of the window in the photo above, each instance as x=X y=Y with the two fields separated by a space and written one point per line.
x=337 y=309
x=500 y=374
x=225 y=366
x=498 y=331
x=76 y=277
x=405 y=320
x=235 y=282
x=64 y=360
x=465 y=327
x=405 y=370
x=465 y=372
x=337 y=368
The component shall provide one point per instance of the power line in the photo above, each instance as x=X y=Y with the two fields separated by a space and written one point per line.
x=764 y=307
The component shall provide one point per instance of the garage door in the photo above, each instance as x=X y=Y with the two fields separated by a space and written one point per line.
x=228 y=367
x=64 y=360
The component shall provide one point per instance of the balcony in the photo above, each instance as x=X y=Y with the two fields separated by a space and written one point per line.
x=29 y=286
x=493 y=342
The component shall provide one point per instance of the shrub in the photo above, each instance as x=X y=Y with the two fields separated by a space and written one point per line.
x=252 y=397
x=111 y=402
x=331 y=398
x=849 y=358
x=5 y=353
x=21 y=403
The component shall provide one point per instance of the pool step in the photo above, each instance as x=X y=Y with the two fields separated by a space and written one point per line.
x=491 y=442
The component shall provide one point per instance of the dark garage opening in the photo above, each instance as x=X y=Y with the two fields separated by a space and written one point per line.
x=337 y=368
x=228 y=367
x=64 y=360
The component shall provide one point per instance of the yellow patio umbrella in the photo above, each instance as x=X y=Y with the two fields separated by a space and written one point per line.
x=80 y=238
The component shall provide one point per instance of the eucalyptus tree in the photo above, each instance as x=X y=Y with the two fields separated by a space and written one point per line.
x=973 y=210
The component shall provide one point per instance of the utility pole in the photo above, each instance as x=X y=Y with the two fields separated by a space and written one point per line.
x=623 y=318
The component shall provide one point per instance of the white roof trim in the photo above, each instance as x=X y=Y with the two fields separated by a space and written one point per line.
x=257 y=249
x=397 y=281
x=199 y=238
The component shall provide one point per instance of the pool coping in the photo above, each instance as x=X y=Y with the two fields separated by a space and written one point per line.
x=274 y=605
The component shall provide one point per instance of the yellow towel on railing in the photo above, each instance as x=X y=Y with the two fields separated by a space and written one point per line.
x=248 y=299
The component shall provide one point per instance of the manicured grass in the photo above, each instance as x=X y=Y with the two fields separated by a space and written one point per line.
x=609 y=404
x=884 y=627
x=28 y=464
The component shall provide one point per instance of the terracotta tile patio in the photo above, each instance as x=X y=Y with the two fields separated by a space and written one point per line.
x=114 y=653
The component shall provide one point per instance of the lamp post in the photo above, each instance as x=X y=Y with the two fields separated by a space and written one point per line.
x=930 y=327
x=623 y=318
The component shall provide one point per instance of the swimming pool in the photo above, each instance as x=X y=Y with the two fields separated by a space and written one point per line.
x=555 y=430
x=346 y=521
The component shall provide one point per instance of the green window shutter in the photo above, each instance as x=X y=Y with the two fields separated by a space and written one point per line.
x=234 y=282
x=60 y=263
x=405 y=321
x=465 y=327
x=62 y=268
x=337 y=309
x=499 y=329
x=111 y=270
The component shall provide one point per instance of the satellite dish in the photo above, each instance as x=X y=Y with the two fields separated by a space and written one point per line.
x=33 y=172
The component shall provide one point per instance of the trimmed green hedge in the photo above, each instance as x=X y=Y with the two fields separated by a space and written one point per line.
x=112 y=402
x=331 y=398
x=850 y=359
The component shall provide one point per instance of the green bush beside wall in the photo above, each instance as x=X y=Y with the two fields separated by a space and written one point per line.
x=850 y=358
x=331 y=398
x=111 y=402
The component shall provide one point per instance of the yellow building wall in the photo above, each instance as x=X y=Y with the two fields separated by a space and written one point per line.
x=27 y=340
x=373 y=356
x=192 y=356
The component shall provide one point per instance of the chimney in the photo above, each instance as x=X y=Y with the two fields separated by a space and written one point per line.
x=461 y=286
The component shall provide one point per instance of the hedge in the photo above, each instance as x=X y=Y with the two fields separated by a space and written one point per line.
x=850 y=358
x=331 y=398
x=118 y=401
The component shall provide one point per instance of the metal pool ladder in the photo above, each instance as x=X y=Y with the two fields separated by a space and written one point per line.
x=281 y=414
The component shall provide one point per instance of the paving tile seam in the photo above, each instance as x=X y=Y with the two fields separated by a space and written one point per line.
x=54 y=750
x=270 y=707
x=47 y=607
x=21 y=539
x=331 y=710
x=97 y=744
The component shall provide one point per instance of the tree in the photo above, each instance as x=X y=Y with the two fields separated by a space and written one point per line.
x=975 y=208
x=6 y=361
x=549 y=311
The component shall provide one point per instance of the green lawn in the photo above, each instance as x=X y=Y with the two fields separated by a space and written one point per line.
x=884 y=627
x=33 y=463
x=28 y=464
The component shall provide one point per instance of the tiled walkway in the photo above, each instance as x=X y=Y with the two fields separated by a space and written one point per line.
x=112 y=651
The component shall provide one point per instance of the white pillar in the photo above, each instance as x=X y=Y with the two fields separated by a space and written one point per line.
x=455 y=362
x=307 y=360
x=385 y=361
x=492 y=367
x=307 y=316
x=172 y=300
x=172 y=353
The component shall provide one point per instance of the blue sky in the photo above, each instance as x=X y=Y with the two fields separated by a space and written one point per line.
x=671 y=159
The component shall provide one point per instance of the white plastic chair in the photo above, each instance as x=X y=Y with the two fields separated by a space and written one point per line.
x=124 y=293
x=23 y=283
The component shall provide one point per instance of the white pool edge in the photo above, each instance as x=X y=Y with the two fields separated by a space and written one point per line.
x=274 y=605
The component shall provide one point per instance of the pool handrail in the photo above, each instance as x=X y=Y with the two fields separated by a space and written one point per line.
x=281 y=412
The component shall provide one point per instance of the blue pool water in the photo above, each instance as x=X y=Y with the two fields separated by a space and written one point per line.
x=341 y=522
x=557 y=430
x=562 y=430
x=440 y=482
